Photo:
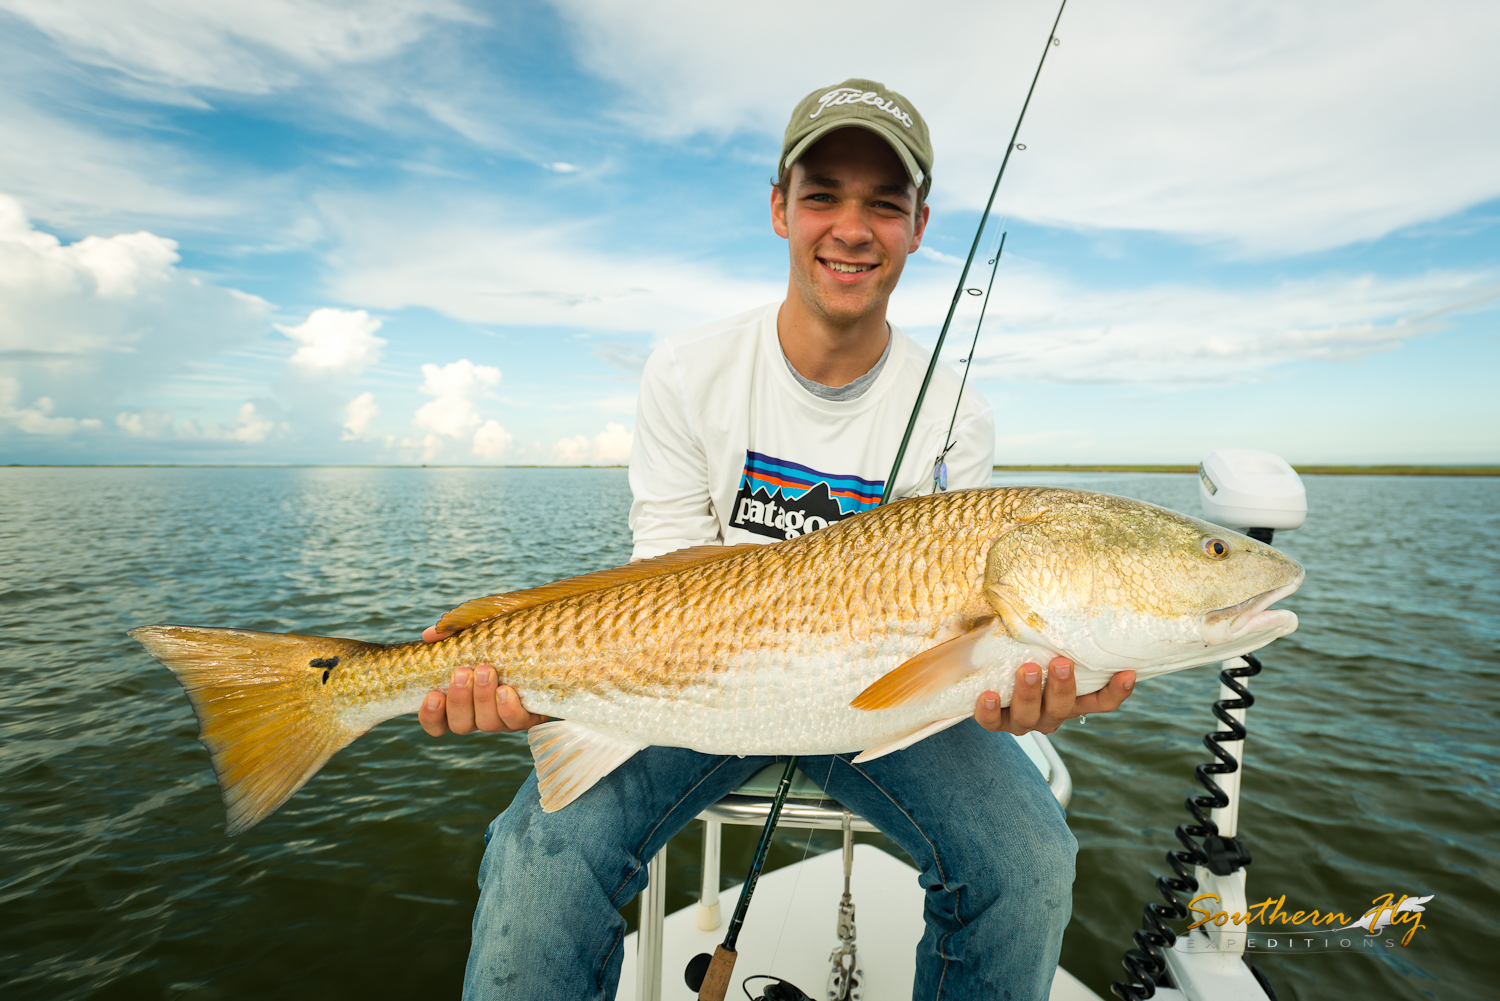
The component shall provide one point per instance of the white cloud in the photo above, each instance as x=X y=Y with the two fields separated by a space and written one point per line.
x=82 y=323
x=432 y=447
x=84 y=177
x=38 y=419
x=613 y=444
x=148 y=423
x=1278 y=126
x=250 y=428
x=245 y=47
x=359 y=412
x=38 y=264
x=477 y=265
x=492 y=441
x=937 y=255
x=1044 y=329
x=456 y=387
x=337 y=342
x=610 y=446
x=83 y=158
x=572 y=451
x=253 y=427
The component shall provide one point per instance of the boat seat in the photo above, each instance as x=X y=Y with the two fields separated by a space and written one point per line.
x=806 y=807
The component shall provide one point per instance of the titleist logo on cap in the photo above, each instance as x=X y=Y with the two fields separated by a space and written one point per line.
x=852 y=95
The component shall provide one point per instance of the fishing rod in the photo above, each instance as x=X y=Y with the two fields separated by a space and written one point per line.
x=940 y=467
x=911 y=424
x=707 y=975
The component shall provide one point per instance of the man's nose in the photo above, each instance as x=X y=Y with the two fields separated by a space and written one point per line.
x=852 y=226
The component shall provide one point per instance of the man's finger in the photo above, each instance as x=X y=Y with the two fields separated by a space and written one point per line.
x=1025 y=700
x=987 y=711
x=512 y=713
x=1108 y=698
x=461 y=701
x=433 y=714
x=1059 y=696
x=485 y=715
x=431 y=634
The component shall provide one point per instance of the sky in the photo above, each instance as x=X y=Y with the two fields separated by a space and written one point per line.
x=451 y=231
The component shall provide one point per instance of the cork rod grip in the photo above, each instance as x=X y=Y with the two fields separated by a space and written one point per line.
x=716 y=980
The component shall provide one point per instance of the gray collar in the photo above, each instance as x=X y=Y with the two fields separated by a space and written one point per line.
x=850 y=391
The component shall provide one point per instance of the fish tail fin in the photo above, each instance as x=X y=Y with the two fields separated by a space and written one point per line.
x=263 y=711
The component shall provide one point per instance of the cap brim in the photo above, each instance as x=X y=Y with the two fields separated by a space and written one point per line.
x=913 y=169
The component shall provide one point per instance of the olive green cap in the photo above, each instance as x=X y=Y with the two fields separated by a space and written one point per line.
x=861 y=104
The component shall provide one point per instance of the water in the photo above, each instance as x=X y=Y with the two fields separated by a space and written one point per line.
x=1372 y=756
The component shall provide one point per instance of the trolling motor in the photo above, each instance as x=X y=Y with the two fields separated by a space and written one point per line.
x=1251 y=492
x=1254 y=493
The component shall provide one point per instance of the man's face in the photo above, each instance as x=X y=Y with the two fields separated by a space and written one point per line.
x=850 y=218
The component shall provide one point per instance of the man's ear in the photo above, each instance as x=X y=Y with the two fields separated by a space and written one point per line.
x=919 y=228
x=778 y=212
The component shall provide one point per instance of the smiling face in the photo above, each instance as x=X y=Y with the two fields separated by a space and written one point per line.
x=850 y=216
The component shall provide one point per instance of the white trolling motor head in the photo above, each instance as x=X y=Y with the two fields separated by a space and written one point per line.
x=1251 y=492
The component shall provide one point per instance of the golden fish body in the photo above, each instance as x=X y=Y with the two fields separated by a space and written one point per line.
x=866 y=635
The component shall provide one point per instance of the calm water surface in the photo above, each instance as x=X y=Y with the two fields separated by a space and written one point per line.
x=1372 y=757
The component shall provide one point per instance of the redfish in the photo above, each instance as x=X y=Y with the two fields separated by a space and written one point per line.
x=867 y=635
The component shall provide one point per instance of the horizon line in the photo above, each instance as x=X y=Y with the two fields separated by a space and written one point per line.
x=1309 y=469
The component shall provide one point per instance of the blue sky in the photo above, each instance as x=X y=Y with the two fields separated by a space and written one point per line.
x=402 y=231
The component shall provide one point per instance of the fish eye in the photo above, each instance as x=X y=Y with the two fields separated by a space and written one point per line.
x=1217 y=549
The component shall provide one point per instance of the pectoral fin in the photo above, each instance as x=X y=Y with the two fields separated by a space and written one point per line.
x=571 y=757
x=920 y=733
x=926 y=674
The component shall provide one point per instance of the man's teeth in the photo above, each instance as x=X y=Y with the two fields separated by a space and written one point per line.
x=848 y=269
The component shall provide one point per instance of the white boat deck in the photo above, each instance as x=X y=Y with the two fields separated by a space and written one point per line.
x=791 y=931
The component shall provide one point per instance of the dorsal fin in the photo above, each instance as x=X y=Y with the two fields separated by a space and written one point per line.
x=479 y=609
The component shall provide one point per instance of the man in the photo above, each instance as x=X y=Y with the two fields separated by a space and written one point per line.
x=760 y=428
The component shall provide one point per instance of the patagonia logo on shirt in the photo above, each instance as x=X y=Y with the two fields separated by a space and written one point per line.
x=782 y=500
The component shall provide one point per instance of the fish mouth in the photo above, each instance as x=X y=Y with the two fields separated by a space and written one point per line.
x=1224 y=625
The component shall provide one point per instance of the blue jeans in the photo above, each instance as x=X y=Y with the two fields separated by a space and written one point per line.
x=995 y=855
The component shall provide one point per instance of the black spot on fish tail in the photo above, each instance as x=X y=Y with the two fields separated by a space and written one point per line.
x=323 y=662
x=325 y=676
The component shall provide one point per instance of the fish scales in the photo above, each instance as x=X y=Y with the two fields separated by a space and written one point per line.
x=852 y=607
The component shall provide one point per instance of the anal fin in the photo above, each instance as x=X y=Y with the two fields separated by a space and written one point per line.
x=921 y=732
x=926 y=674
x=571 y=757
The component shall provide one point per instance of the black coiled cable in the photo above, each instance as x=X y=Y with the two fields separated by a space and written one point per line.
x=1145 y=964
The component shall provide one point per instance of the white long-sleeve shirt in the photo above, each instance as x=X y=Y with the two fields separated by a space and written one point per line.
x=730 y=448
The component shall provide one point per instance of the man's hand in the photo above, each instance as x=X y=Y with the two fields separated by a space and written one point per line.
x=474 y=702
x=1032 y=708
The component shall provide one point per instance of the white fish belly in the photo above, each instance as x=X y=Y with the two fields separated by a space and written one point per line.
x=788 y=703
